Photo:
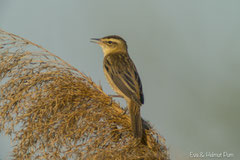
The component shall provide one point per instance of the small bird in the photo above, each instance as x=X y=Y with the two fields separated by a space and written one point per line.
x=123 y=77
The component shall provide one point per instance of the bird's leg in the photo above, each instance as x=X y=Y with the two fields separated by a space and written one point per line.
x=118 y=96
x=110 y=95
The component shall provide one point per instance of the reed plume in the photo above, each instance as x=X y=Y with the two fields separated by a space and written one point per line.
x=53 y=111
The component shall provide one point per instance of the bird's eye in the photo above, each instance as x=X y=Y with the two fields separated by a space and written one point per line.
x=110 y=42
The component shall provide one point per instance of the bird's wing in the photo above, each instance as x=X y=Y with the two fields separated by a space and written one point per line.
x=124 y=75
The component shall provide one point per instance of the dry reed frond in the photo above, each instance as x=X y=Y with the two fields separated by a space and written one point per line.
x=53 y=111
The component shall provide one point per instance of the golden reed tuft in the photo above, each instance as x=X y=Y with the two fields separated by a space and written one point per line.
x=53 y=111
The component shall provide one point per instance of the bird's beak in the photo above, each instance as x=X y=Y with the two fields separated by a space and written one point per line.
x=96 y=40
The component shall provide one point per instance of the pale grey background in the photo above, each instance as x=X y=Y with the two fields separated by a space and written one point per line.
x=187 y=53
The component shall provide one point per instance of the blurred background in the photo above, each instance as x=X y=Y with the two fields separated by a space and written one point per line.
x=186 y=52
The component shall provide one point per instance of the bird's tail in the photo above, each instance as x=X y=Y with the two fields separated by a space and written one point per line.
x=136 y=121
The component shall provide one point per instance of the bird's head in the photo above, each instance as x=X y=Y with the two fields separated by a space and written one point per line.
x=111 y=44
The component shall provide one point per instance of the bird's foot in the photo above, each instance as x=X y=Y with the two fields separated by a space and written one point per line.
x=124 y=111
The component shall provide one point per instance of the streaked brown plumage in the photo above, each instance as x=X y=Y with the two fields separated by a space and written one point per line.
x=123 y=77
